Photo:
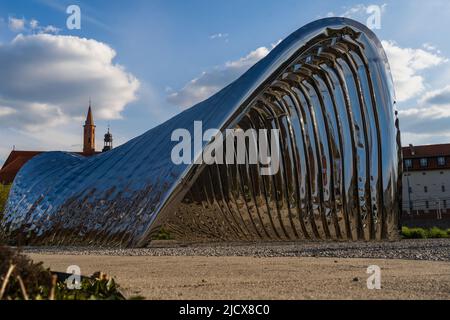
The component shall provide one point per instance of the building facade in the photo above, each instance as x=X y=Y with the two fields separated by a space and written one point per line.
x=426 y=184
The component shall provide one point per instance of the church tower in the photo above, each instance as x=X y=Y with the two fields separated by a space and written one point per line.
x=89 y=134
x=108 y=141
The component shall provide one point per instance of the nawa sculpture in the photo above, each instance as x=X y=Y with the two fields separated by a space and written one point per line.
x=327 y=88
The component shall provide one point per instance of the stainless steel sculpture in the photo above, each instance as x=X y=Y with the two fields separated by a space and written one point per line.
x=327 y=88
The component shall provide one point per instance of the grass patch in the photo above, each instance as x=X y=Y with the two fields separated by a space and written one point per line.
x=420 y=233
x=163 y=234
x=22 y=279
x=4 y=193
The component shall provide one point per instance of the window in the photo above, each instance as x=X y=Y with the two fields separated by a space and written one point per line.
x=441 y=161
x=443 y=188
x=427 y=205
x=408 y=163
x=424 y=162
x=425 y=189
x=411 y=207
x=444 y=203
x=410 y=190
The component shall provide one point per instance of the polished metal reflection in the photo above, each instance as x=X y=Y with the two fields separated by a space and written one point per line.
x=328 y=90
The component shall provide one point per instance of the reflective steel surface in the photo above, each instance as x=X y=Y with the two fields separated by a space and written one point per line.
x=328 y=90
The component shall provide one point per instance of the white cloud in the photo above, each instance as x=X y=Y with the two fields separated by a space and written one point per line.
x=210 y=82
x=430 y=47
x=4 y=152
x=48 y=79
x=218 y=36
x=16 y=24
x=50 y=29
x=424 y=112
x=66 y=137
x=4 y=111
x=440 y=97
x=428 y=122
x=407 y=65
x=360 y=11
x=425 y=121
x=249 y=60
x=357 y=9
x=32 y=26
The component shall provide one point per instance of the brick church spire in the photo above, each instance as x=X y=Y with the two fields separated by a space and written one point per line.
x=89 y=133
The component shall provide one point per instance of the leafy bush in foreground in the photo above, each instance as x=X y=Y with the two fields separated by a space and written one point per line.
x=98 y=287
x=21 y=278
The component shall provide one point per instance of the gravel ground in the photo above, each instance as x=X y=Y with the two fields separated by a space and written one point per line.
x=248 y=278
x=430 y=249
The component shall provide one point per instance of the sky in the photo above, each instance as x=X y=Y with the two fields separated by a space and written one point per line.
x=143 y=61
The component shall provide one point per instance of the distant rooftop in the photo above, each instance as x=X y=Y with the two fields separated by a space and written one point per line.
x=13 y=163
x=433 y=150
x=16 y=160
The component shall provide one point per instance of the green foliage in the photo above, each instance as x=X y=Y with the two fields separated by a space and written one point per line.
x=163 y=235
x=24 y=279
x=437 y=233
x=414 y=233
x=98 y=287
x=35 y=278
x=420 y=233
x=4 y=192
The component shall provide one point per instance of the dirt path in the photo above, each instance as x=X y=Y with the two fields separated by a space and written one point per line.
x=262 y=278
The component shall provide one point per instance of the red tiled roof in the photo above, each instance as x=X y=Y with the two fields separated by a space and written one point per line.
x=17 y=160
x=14 y=163
x=434 y=150
x=431 y=153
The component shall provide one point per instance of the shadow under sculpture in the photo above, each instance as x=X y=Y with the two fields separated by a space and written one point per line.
x=327 y=88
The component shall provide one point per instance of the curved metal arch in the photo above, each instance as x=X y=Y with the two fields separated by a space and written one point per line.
x=328 y=90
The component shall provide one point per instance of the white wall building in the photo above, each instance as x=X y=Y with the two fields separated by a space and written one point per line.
x=426 y=182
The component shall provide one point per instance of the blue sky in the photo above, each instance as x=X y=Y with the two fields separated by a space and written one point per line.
x=143 y=61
